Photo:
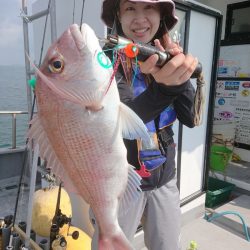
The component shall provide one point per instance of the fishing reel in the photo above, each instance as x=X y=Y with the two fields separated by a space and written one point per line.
x=61 y=219
x=57 y=241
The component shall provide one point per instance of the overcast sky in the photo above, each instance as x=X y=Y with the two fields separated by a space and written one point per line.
x=11 y=33
x=11 y=29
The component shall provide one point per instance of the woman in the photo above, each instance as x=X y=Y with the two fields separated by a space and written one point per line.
x=158 y=95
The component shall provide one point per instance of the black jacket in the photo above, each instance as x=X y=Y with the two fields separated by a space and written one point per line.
x=148 y=106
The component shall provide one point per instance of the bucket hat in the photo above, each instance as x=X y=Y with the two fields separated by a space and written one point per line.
x=109 y=11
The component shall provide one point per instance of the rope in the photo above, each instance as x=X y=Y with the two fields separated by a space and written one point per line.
x=199 y=100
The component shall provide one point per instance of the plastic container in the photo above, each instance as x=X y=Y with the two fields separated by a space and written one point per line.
x=219 y=157
x=218 y=192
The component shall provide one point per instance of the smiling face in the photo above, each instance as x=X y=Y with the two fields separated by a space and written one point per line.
x=139 y=21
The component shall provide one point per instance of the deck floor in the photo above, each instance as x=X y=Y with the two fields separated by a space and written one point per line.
x=208 y=235
x=219 y=235
x=8 y=201
x=223 y=233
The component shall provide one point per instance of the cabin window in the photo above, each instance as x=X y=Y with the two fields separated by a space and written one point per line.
x=238 y=22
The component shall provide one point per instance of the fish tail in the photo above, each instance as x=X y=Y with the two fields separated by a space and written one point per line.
x=114 y=242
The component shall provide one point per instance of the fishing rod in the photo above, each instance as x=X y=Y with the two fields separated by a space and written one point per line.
x=143 y=51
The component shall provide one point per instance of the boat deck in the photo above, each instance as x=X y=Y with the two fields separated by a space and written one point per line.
x=224 y=233
x=8 y=194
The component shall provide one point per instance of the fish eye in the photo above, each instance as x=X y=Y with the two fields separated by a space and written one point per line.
x=56 y=65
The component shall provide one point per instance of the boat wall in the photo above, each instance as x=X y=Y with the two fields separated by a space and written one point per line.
x=199 y=28
x=11 y=161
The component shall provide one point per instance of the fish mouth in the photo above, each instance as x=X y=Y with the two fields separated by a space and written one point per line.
x=78 y=36
x=83 y=37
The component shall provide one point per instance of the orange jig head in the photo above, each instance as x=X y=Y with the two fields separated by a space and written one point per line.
x=131 y=50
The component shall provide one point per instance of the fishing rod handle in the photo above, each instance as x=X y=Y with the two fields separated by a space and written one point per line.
x=146 y=51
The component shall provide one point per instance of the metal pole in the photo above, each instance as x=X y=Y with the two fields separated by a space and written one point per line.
x=38 y=15
x=53 y=20
x=29 y=102
x=26 y=50
x=31 y=192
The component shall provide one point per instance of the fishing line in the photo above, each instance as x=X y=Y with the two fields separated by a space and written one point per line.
x=40 y=59
x=33 y=81
x=44 y=31
x=74 y=7
x=117 y=63
x=135 y=70
x=83 y=2
x=103 y=60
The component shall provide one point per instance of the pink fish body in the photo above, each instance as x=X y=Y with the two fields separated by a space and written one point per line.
x=80 y=128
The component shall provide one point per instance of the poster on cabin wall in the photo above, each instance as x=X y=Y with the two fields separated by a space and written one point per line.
x=234 y=61
x=232 y=105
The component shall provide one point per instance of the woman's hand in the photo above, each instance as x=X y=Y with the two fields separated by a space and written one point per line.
x=176 y=71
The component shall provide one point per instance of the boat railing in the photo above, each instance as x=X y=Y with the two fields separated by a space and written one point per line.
x=14 y=126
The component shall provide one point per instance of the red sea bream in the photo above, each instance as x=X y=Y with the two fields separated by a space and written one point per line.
x=80 y=126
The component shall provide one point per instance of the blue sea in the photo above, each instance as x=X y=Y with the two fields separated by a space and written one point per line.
x=13 y=97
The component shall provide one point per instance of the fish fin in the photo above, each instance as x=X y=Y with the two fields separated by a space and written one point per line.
x=132 y=125
x=117 y=241
x=37 y=134
x=132 y=192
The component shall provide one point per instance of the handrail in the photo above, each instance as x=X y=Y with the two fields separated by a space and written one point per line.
x=13 y=114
